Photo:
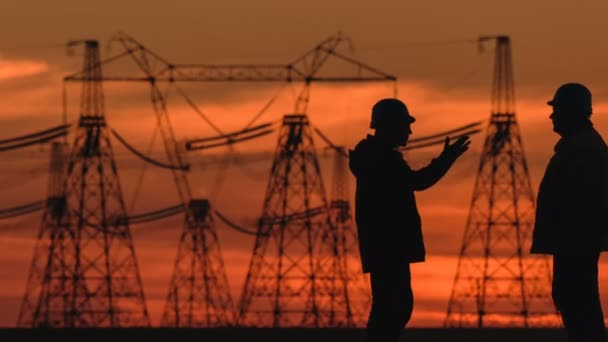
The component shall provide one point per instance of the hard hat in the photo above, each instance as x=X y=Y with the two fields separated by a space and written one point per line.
x=389 y=110
x=574 y=97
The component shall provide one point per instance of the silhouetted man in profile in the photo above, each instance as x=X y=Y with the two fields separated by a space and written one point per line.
x=572 y=213
x=388 y=223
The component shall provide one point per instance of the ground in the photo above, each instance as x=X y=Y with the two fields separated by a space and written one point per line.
x=279 y=335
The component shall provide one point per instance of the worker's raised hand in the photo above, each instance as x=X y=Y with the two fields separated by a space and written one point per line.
x=455 y=150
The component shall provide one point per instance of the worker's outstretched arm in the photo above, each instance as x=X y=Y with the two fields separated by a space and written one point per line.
x=427 y=176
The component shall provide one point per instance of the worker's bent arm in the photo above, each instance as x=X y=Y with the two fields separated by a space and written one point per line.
x=429 y=175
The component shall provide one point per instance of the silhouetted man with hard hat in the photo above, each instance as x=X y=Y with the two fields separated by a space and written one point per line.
x=572 y=213
x=388 y=223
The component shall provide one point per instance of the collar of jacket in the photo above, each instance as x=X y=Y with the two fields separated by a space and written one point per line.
x=565 y=141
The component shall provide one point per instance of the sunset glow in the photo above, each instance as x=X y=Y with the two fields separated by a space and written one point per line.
x=441 y=92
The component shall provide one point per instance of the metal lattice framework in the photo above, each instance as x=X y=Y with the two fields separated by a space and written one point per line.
x=307 y=69
x=296 y=275
x=198 y=296
x=357 y=283
x=84 y=272
x=185 y=294
x=497 y=282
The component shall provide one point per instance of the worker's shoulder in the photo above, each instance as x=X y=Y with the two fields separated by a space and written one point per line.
x=587 y=144
x=370 y=157
x=585 y=153
x=369 y=149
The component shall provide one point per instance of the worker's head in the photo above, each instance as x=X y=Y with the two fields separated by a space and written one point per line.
x=392 y=121
x=571 y=107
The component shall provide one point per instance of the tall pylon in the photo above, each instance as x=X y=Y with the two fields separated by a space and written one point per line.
x=357 y=283
x=497 y=282
x=84 y=272
x=200 y=296
x=296 y=276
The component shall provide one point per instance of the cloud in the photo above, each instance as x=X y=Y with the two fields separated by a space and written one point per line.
x=13 y=69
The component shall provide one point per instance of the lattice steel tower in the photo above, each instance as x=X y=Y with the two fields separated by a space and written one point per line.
x=84 y=272
x=296 y=275
x=199 y=295
x=357 y=283
x=497 y=282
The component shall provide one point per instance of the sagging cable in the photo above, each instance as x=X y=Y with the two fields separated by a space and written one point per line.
x=235 y=226
x=21 y=210
x=146 y=158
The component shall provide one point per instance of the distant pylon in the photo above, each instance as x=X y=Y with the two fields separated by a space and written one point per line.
x=296 y=276
x=84 y=272
x=497 y=282
x=199 y=295
x=357 y=283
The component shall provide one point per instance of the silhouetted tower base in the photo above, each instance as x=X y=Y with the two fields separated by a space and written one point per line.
x=296 y=275
x=199 y=295
x=497 y=282
x=84 y=272
x=357 y=283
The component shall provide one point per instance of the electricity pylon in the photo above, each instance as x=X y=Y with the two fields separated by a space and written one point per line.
x=84 y=272
x=296 y=275
x=497 y=282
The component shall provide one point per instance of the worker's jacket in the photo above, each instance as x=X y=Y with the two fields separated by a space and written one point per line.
x=572 y=206
x=388 y=223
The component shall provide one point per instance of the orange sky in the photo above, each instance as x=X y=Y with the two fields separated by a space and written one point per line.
x=445 y=85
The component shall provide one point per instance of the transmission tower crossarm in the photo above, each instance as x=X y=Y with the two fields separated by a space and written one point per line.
x=243 y=73
x=378 y=74
x=304 y=69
